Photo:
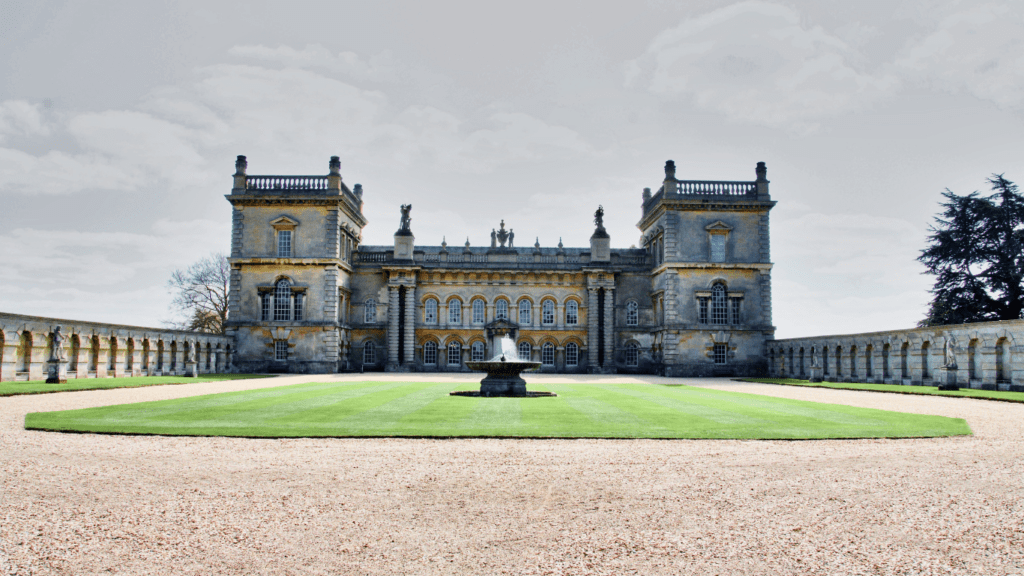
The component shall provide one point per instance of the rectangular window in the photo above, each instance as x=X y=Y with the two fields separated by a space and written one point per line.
x=265 y=301
x=735 y=319
x=720 y=353
x=718 y=247
x=282 y=308
x=298 y=306
x=702 y=310
x=284 y=243
x=280 y=350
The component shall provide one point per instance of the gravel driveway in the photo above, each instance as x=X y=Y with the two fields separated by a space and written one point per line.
x=96 y=504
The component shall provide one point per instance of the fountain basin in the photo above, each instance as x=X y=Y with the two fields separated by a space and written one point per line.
x=503 y=377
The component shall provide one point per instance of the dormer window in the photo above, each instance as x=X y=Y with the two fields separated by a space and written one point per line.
x=285 y=228
x=718 y=238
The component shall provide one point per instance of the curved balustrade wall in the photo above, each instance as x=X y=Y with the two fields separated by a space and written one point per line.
x=99 y=350
x=988 y=355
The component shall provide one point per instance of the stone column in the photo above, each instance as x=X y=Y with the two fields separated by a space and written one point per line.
x=559 y=316
x=592 y=343
x=609 y=327
x=410 y=326
x=394 y=315
x=442 y=315
x=9 y=356
x=987 y=349
x=536 y=316
x=165 y=368
x=488 y=313
x=119 y=355
x=102 y=354
x=136 y=358
x=877 y=365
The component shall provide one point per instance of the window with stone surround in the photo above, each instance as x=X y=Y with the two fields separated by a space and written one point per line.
x=454 y=353
x=548 y=312
x=524 y=312
x=572 y=313
x=454 y=312
x=369 y=353
x=479 y=316
x=572 y=354
x=281 y=350
x=266 y=302
x=282 y=301
x=632 y=354
x=719 y=304
x=284 y=243
x=430 y=352
x=477 y=351
x=525 y=350
x=501 y=310
x=297 y=312
x=702 y=309
x=370 y=311
x=720 y=352
x=734 y=310
x=547 y=354
x=718 y=238
x=430 y=311
x=632 y=313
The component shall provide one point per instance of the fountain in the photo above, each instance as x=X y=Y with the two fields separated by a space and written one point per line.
x=503 y=372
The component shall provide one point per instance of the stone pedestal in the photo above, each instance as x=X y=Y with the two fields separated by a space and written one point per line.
x=56 y=372
x=945 y=379
x=191 y=370
x=816 y=373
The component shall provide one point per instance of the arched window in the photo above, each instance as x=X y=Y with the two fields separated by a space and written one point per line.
x=572 y=354
x=719 y=308
x=369 y=353
x=370 y=311
x=525 y=350
x=454 y=312
x=430 y=352
x=477 y=350
x=501 y=310
x=454 y=353
x=632 y=313
x=572 y=313
x=282 y=301
x=478 y=312
x=632 y=354
x=547 y=354
x=430 y=311
x=524 y=312
x=548 y=312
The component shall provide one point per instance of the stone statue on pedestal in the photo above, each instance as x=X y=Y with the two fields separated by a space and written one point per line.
x=405 y=227
x=56 y=366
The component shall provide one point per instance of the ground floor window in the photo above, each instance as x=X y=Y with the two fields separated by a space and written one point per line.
x=719 y=353
x=430 y=352
x=525 y=350
x=632 y=354
x=572 y=354
x=280 y=350
x=369 y=353
x=454 y=353
x=477 y=351
x=547 y=355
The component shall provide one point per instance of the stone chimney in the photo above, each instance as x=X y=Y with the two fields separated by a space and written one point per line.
x=762 y=181
x=240 y=166
x=334 y=176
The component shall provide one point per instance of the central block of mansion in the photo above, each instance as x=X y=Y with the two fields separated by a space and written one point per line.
x=307 y=296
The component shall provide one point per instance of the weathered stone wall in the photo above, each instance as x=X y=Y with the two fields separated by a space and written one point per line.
x=100 y=350
x=987 y=355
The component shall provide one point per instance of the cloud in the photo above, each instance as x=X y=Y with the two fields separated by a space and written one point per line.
x=758 y=62
x=979 y=51
x=379 y=68
x=21 y=118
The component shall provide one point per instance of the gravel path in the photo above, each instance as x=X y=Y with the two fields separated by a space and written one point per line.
x=92 y=504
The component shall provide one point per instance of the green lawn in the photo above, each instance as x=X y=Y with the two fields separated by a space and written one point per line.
x=897 y=388
x=41 y=387
x=425 y=409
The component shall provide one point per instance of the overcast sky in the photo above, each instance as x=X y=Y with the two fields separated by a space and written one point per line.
x=119 y=124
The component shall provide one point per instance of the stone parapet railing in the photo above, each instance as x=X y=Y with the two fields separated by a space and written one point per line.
x=987 y=355
x=101 y=350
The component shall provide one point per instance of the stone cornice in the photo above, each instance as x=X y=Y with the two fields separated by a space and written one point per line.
x=703 y=205
x=761 y=266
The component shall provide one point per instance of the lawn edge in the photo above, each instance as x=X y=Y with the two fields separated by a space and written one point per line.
x=197 y=381
x=905 y=393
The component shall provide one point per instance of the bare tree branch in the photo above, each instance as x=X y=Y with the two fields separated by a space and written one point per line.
x=201 y=294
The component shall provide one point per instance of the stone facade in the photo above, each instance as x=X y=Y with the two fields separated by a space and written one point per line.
x=98 y=350
x=983 y=355
x=307 y=296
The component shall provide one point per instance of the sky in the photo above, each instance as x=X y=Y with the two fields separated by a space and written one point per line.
x=120 y=122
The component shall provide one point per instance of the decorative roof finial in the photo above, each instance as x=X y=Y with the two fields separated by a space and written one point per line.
x=358 y=190
x=335 y=165
x=670 y=171
x=467 y=250
x=762 y=172
x=240 y=165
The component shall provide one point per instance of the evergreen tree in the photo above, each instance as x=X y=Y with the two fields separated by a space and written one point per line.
x=976 y=253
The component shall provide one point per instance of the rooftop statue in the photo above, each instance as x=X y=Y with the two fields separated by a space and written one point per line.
x=404 y=227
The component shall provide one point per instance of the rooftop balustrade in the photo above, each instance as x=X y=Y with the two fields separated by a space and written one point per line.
x=285 y=183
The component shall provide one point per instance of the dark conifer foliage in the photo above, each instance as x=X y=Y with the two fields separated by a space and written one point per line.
x=976 y=253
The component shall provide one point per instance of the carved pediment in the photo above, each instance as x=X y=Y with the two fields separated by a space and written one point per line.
x=284 y=223
x=719 y=226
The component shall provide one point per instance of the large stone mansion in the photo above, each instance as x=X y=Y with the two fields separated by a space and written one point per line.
x=307 y=296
